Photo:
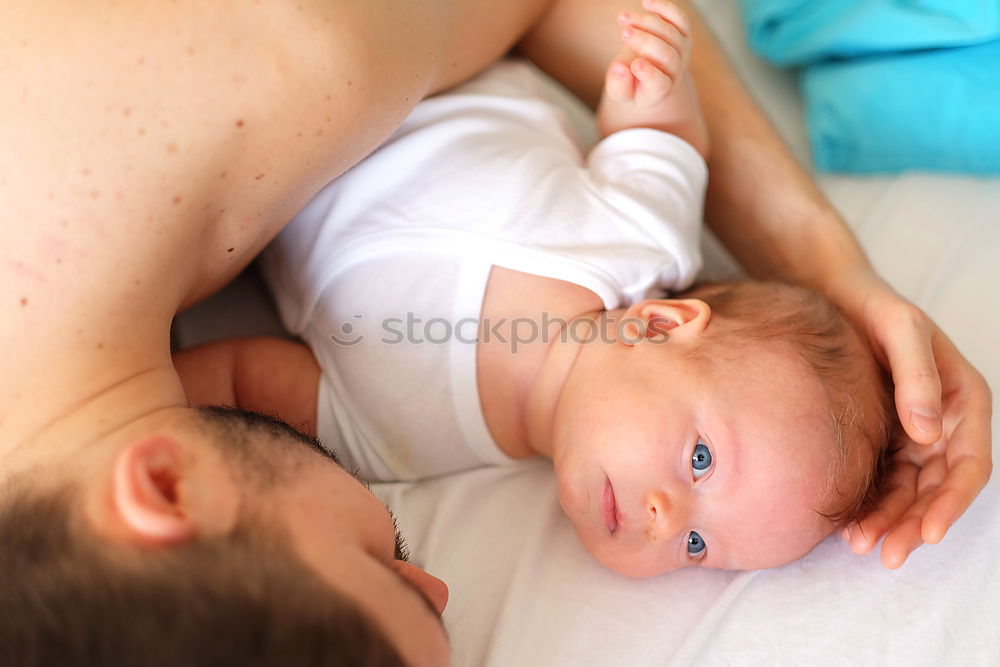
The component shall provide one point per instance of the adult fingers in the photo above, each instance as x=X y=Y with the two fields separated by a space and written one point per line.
x=909 y=350
x=904 y=537
x=901 y=490
x=967 y=415
x=967 y=411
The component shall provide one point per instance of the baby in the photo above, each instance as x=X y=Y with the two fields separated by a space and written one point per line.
x=477 y=290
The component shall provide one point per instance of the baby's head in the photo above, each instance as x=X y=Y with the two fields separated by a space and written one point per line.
x=738 y=437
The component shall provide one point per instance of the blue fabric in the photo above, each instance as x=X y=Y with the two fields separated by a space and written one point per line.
x=891 y=85
x=798 y=32
x=936 y=110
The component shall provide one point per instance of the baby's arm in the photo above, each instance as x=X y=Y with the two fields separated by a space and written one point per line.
x=648 y=83
x=268 y=375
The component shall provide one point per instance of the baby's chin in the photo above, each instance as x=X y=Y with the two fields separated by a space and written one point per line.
x=638 y=570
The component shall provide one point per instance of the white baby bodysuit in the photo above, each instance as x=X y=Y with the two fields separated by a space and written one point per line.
x=383 y=273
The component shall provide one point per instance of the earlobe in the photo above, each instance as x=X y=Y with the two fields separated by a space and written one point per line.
x=674 y=318
x=147 y=491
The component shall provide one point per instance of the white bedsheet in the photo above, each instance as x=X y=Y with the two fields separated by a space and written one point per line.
x=524 y=592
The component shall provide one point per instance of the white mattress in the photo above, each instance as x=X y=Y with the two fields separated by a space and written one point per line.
x=524 y=592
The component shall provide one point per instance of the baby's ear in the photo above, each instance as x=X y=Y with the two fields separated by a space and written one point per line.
x=678 y=319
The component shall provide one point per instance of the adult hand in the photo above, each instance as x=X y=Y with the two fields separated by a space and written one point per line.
x=944 y=405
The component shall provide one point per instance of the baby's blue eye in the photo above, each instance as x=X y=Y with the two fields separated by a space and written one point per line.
x=701 y=459
x=695 y=544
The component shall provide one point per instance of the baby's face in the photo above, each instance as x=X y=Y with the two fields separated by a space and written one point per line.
x=665 y=461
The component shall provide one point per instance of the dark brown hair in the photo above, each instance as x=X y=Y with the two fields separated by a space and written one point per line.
x=859 y=393
x=67 y=598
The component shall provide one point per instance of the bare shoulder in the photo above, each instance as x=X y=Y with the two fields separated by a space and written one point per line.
x=516 y=293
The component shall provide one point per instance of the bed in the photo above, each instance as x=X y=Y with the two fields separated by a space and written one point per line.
x=524 y=592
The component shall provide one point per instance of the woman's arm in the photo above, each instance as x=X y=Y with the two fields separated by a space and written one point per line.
x=773 y=218
x=268 y=375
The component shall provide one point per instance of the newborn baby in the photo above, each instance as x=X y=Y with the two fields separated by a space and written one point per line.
x=478 y=290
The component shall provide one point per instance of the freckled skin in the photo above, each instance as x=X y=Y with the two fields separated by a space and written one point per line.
x=180 y=114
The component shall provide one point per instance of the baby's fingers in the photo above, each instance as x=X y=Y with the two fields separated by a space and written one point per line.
x=619 y=84
x=652 y=84
x=666 y=57
x=670 y=13
x=659 y=28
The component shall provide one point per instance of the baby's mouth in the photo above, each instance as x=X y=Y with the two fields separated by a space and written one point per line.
x=609 y=507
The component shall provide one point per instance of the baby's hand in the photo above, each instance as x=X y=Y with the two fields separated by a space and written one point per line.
x=654 y=56
x=647 y=84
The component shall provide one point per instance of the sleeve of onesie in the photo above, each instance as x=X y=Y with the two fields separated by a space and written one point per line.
x=656 y=182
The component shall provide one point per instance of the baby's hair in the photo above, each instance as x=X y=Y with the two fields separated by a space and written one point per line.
x=859 y=393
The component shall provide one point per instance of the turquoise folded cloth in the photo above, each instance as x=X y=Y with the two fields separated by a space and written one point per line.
x=891 y=85
x=934 y=110
x=799 y=32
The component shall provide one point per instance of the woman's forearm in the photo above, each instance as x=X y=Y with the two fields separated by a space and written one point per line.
x=761 y=203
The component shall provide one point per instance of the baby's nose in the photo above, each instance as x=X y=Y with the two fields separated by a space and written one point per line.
x=665 y=516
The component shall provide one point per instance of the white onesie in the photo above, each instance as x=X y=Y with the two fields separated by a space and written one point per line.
x=383 y=273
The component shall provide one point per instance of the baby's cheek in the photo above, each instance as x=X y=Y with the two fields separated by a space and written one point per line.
x=638 y=563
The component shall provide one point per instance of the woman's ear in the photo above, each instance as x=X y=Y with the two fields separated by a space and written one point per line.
x=148 y=491
x=677 y=319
